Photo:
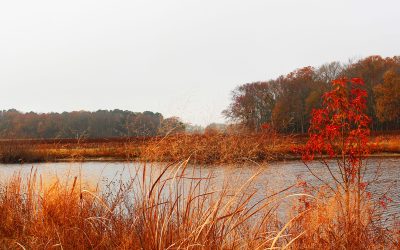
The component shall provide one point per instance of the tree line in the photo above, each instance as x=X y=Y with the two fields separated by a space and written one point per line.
x=78 y=124
x=285 y=103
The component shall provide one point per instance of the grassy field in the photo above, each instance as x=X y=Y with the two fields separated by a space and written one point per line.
x=202 y=149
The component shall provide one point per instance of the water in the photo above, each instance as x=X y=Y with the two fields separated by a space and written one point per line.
x=271 y=178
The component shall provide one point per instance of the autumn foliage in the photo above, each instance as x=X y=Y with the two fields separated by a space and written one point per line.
x=340 y=129
x=287 y=101
x=388 y=97
x=342 y=213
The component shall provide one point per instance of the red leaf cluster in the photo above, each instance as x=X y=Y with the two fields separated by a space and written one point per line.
x=341 y=128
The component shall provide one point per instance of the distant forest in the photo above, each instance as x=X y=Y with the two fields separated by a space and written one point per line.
x=82 y=124
x=285 y=104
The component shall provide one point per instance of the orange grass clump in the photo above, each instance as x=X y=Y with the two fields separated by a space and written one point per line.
x=326 y=224
x=219 y=148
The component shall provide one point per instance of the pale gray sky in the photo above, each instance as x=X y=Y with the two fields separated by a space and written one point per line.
x=176 y=57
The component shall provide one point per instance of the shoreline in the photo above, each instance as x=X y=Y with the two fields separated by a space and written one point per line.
x=120 y=159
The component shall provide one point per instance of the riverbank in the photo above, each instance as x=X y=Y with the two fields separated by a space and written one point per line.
x=201 y=149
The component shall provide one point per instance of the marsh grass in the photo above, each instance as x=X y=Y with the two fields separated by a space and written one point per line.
x=386 y=144
x=173 y=209
x=215 y=148
x=15 y=152
x=326 y=224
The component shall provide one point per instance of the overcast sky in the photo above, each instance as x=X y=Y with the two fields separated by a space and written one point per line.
x=180 y=58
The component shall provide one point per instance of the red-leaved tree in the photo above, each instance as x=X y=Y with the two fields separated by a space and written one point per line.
x=340 y=129
x=339 y=133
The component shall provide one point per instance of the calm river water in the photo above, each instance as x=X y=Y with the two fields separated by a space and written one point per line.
x=272 y=177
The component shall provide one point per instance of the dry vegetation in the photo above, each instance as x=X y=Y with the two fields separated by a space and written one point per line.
x=11 y=152
x=327 y=224
x=175 y=210
x=203 y=149
x=210 y=148
x=389 y=143
x=164 y=213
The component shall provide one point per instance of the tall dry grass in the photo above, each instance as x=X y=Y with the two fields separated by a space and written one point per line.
x=219 y=148
x=171 y=210
x=326 y=224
